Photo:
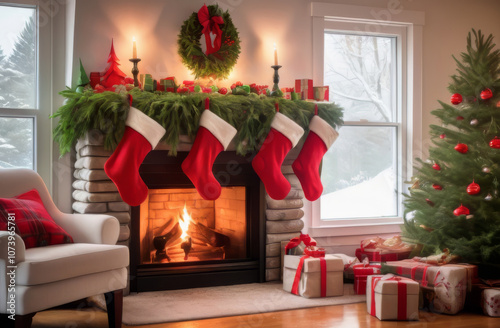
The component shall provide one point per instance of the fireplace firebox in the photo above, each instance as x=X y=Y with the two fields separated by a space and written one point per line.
x=179 y=240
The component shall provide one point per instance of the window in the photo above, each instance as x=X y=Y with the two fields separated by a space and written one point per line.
x=368 y=66
x=24 y=102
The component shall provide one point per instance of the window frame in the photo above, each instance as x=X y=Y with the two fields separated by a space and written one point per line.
x=42 y=126
x=406 y=26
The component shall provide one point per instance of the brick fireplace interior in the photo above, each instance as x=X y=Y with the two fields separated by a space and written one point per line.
x=179 y=240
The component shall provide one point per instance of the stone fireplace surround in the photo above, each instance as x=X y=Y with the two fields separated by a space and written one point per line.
x=95 y=193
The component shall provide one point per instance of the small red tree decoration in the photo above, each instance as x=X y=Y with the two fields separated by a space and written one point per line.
x=113 y=75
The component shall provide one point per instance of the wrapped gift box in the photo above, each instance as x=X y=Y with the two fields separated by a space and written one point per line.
x=381 y=256
x=443 y=287
x=304 y=87
x=392 y=298
x=490 y=302
x=310 y=277
x=361 y=273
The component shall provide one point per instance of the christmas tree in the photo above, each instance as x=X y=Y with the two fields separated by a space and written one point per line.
x=454 y=202
x=113 y=75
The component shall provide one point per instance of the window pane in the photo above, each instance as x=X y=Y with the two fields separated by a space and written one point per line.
x=360 y=71
x=359 y=174
x=16 y=142
x=17 y=57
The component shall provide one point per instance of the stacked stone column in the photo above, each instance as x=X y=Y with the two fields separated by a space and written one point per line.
x=283 y=222
x=94 y=192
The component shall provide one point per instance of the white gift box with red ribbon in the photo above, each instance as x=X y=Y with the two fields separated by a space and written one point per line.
x=391 y=297
x=310 y=276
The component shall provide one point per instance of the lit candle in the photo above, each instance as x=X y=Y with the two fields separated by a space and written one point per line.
x=134 y=48
x=275 y=55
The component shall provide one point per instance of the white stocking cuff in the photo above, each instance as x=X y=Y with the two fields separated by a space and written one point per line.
x=223 y=131
x=323 y=130
x=288 y=128
x=145 y=125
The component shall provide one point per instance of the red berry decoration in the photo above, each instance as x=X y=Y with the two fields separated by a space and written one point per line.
x=495 y=143
x=461 y=148
x=436 y=167
x=223 y=91
x=486 y=94
x=461 y=210
x=442 y=136
x=473 y=188
x=437 y=187
x=456 y=98
x=460 y=118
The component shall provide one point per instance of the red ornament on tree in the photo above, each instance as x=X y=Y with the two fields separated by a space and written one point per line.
x=461 y=148
x=473 y=188
x=495 y=143
x=461 y=210
x=436 y=166
x=456 y=98
x=442 y=136
x=437 y=187
x=486 y=94
x=223 y=91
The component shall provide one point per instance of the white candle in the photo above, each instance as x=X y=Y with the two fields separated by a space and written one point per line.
x=134 y=48
x=275 y=55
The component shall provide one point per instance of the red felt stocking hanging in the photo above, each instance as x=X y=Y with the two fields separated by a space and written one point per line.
x=213 y=136
x=142 y=134
x=306 y=167
x=282 y=137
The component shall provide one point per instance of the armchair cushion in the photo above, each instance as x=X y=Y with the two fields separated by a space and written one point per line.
x=31 y=220
x=59 y=262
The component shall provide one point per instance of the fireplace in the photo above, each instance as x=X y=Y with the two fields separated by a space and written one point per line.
x=179 y=240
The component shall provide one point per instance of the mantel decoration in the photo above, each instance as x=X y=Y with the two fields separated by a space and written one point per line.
x=179 y=114
x=216 y=30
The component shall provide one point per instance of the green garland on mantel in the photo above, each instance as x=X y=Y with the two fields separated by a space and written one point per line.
x=179 y=115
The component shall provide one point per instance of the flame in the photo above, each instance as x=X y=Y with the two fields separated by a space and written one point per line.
x=184 y=222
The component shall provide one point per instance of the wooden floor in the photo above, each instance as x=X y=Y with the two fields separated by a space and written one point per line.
x=348 y=316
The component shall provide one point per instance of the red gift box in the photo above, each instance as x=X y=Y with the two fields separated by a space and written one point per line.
x=376 y=256
x=360 y=284
x=304 y=87
x=361 y=269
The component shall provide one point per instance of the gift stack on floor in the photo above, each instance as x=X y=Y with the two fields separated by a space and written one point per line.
x=93 y=191
x=283 y=222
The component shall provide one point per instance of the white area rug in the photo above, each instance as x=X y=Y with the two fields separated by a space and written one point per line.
x=224 y=301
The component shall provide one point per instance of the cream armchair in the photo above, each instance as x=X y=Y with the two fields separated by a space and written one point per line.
x=49 y=276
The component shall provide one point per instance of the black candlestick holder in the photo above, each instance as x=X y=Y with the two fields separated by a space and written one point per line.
x=276 y=92
x=135 y=70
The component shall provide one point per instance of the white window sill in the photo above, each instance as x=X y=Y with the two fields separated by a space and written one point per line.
x=355 y=230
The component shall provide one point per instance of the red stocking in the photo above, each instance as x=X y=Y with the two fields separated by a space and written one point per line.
x=306 y=167
x=284 y=135
x=213 y=136
x=142 y=134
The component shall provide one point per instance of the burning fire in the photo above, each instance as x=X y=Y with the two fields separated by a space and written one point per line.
x=184 y=223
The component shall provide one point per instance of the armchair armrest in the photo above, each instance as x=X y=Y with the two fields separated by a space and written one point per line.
x=17 y=248
x=90 y=228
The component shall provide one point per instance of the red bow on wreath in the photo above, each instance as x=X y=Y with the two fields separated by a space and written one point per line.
x=211 y=24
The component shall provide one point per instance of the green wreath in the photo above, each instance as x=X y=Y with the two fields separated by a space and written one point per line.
x=216 y=65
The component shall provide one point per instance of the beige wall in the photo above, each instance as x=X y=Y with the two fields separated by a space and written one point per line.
x=156 y=24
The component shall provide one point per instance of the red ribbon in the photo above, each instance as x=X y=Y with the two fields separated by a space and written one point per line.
x=211 y=24
x=294 y=242
x=402 y=296
x=322 y=262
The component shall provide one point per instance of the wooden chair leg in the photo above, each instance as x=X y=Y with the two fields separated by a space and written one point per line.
x=24 y=321
x=114 y=306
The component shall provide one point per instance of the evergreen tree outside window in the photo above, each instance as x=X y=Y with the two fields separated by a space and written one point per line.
x=18 y=86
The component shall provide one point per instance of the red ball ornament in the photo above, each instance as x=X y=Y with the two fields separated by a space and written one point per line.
x=461 y=210
x=436 y=167
x=495 y=143
x=223 y=91
x=456 y=98
x=437 y=187
x=486 y=94
x=473 y=188
x=460 y=118
x=442 y=136
x=461 y=148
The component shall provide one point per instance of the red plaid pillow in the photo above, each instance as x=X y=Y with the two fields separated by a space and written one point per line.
x=31 y=220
